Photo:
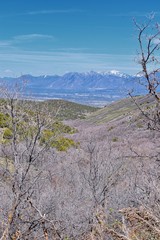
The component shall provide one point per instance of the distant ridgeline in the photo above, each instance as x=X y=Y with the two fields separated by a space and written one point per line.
x=89 y=88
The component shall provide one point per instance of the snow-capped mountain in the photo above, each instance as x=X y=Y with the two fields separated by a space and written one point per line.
x=88 y=80
x=75 y=80
x=89 y=87
x=117 y=73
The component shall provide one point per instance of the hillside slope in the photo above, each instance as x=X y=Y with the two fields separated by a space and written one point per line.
x=115 y=165
x=124 y=151
x=120 y=109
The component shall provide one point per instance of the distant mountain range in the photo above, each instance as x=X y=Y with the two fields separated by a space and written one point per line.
x=92 y=88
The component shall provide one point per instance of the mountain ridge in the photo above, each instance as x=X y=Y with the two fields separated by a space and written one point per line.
x=84 y=77
x=91 y=88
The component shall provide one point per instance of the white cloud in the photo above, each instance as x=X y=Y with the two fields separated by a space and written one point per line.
x=8 y=71
x=33 y=36
x=14 y=42
x=5 y=43
x=54 y=11
x=39 y=63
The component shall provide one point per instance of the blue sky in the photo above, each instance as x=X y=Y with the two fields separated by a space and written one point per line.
x=41 y=37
